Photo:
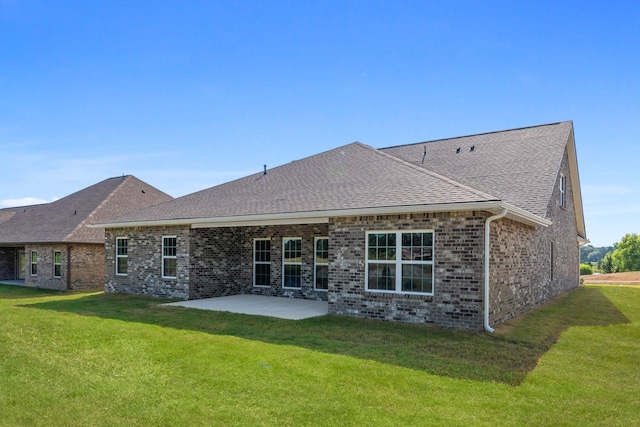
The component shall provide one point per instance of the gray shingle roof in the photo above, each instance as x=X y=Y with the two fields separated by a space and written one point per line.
x=66 y=219
x=350 y=177
x=518 y=166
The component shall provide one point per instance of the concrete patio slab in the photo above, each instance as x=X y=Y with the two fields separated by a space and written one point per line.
x=281 y=307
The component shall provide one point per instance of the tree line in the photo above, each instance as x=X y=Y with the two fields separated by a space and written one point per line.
x=622 y=256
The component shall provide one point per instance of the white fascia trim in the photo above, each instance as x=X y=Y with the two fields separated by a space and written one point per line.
x=320 y=217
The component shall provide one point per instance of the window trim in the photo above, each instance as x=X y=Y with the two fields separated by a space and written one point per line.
x=255 y=240
x=125 y=256
x=551 y=263
x=399 y=262
x=59 y=264
x=563 y=190
x=291 y=263
x=32 y=264
x=316 y=263
x=164 y=257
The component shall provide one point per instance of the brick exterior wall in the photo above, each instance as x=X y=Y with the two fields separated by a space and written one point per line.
x=212 y=262
x=8 y=259
x=458 y=270
x=520 y=258
x=144 y=275
x=86 y=266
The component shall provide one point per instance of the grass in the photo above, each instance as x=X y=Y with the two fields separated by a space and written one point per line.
x=109 y=359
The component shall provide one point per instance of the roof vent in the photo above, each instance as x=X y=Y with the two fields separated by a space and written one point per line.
x=424 y=155
x=473 y=147
x=457 y=150
x=265 y=170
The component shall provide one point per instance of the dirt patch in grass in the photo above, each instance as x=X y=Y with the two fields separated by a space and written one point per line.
x=626 y=278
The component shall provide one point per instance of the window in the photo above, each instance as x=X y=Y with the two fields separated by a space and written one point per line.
x=291 y=262
x=34 y=263
x=400 y=261
x=121 y=256
x=169 y=251
x=321 y=263
x=57 y=264
x=563 y=191
x=551 y=262
x=262 y=262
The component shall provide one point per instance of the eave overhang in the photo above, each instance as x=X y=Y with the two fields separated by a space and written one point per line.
x=317 y=217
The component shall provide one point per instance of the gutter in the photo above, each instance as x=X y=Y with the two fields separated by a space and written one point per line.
x=487 y=238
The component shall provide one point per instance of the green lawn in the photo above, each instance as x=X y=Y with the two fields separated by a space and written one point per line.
x=103 y=359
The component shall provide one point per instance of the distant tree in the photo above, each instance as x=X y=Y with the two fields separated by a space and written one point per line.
x=585 y=269
x=627 y=253
x=585 y=252
x=607 y=264
x=590 y=254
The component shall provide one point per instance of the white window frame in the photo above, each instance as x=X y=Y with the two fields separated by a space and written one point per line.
x=57 y=264
x=256 y=262
x=32 y=264
x=563 y=190
x=118 y=257
x=285 y=263
x=165 y=257
x=551 y=262
x=399 y=262
x=316 y=263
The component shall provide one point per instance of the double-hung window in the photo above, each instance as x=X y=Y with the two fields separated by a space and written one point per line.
x=563 y=191
x=34 y=263
x=57 y=264
x=292 y=262
x=321 y=253
x=169 y=258
x=122 y=254
x=400 y=261
x=262 y=262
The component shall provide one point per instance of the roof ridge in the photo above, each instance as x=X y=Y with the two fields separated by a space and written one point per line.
x=430 y=173
x=477 y=134
x=125 y=178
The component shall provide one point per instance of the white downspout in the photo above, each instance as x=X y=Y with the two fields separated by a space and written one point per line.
x=487 y=238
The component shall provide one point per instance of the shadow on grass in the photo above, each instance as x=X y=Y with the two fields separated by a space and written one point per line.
x=505 y=356
x=9 y=292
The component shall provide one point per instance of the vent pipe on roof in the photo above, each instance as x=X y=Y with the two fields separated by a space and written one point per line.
x=265 y=170
x=473 y=147
x=457 y=150
x=424 y=155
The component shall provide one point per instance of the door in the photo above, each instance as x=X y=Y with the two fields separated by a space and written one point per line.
x=22 y=264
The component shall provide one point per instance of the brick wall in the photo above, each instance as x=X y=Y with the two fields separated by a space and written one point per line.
x=144 y=275
x=458 y=270
x=520 y=258
x=8 y=263
x=44 y=277
x=87 y=266
x=222 y=260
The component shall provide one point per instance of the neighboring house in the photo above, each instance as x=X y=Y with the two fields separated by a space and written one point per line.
x=414 y=233
x=51 y=246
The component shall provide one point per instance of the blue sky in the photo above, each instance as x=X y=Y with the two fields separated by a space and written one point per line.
x=187 y=95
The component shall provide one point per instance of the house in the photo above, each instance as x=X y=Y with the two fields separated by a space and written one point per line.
x=51 y=246
x=462 y=232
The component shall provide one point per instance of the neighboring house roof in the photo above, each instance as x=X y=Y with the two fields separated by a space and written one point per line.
x=66 y=219
x=519 y=166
